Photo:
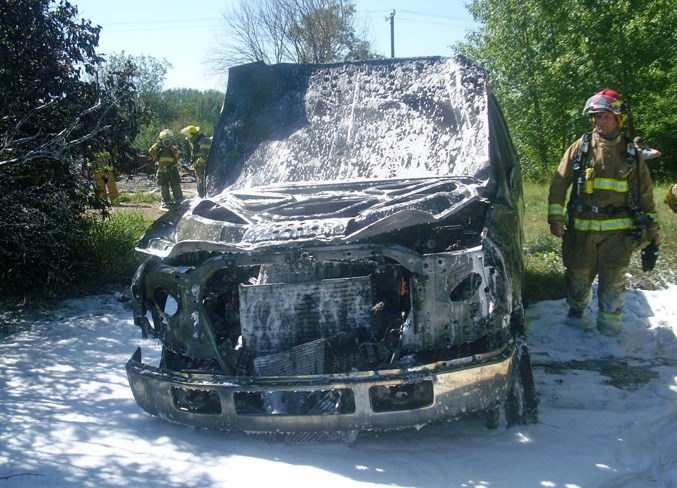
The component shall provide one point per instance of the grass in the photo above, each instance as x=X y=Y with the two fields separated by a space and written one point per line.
x=543 y=257
x=140 y=197
x=106 y=256
x=112 y=242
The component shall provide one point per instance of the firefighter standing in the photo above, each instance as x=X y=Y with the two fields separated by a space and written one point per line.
x=166 y=157
x=611 y=212
x=651 y=153
x=200 y=145
x=646 y=151
x=671 y=198
x=104 y=176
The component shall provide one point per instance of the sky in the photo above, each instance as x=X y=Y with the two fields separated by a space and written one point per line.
x=184 y=32
x=68 y=417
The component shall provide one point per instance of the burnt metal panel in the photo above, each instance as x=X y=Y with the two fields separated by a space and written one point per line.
x=321 y=356
x=278 y=316
x=460 y=387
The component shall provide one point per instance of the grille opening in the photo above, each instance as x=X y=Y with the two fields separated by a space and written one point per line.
x=395 y=398
x=196 y=401
x=323 y=402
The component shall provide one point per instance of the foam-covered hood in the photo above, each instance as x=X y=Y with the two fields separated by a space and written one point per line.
x=354 y=149
x=396 y=118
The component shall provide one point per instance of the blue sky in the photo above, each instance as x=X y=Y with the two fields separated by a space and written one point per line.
x=184 y=32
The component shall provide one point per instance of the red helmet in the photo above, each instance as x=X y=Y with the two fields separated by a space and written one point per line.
x=605 y=101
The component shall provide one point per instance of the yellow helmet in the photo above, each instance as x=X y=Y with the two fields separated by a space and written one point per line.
x=190 y=131
x=165 y=134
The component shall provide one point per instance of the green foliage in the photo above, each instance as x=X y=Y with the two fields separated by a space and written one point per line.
x=544 y=272
x=175 y=109
x=43 y=50
x=107 y=254
x=38 y=227
x=160 y=109
x=148 y=76
x=52 y=119
x=126 y=114
x=139 y=197
x=545 y=58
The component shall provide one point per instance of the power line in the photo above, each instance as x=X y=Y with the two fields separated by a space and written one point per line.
x=158 y=25
x=381 y=12
x=430 y=22
x=144 y=22
x=154 y=29
x=437 y=16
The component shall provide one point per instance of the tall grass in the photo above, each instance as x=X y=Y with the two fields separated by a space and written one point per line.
x=543 y=256
x=108 y=256
x=140 y=197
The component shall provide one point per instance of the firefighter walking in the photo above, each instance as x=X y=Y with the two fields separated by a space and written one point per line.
x=166 y=157
x=103 y=174
x=611 y=212
x=200 y=144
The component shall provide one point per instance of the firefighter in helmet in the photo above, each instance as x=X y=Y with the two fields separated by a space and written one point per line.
x=671 y=198
x=166 y=156
x=646 y=151
x=611 y=212
x=200 y=144
x=103 y=173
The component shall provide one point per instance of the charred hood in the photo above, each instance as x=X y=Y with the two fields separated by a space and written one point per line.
x=323 y=213
x=398 y=118
x=339 y=152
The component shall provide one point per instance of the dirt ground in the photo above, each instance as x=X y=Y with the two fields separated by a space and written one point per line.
x=137 y=183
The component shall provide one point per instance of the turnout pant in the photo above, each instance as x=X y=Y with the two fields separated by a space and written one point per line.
x=167 y=177
x=605 y=255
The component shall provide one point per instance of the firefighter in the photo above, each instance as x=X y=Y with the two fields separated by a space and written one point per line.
x=166 y=157
x=671 y=198
x=646 y=151
x=611 y=212
x=200 y=144
x=103 y=174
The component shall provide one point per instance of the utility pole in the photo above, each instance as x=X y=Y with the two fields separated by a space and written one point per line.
x=391 y=17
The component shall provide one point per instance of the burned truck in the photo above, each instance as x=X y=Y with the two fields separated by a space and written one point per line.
x=355 y=265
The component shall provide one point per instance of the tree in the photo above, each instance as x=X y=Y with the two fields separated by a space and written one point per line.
x=43 y=53
x=49 y=119
x=157 y=108
x=545 y=58
x=181 y=107
x=146 y=75
x=298 y=31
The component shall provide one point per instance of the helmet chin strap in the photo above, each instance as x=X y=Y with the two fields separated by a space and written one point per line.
x=611 y=137
x=619 y=128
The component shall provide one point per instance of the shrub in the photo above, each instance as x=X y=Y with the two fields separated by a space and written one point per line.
x=108 y=255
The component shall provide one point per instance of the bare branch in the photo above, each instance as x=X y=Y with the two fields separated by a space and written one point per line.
x=57 y=144
x=300 y=31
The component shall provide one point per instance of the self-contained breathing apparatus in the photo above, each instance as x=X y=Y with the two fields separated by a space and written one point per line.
x=583 y=184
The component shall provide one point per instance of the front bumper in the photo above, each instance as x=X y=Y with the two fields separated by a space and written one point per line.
x=367 y=400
